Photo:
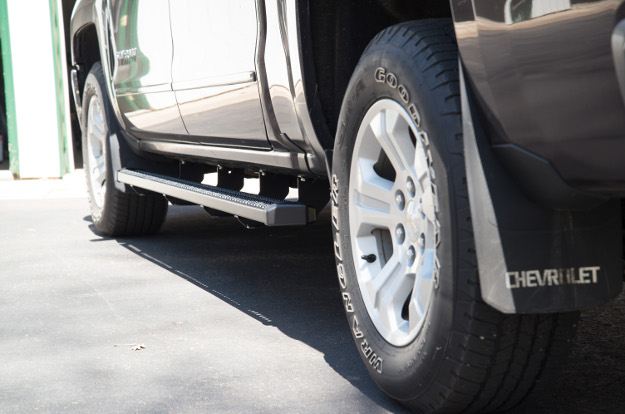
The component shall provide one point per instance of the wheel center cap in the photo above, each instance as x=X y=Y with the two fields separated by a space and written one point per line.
x=412 y=217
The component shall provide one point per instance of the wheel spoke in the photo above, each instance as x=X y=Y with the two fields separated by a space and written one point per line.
x=99 y=172
x=424 y=292
x=97 y=123
x=392 y=296
x=372 y=198
x=370 y=186
x=415 y=314
x=373 y=218
x=424 y=277
x=392 y=133
x=399 y=134
x=391 y=270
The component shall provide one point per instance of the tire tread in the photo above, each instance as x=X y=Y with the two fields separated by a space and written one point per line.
x=494 y=361
x=124 y=214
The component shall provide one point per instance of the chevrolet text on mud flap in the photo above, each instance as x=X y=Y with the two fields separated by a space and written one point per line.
x=454 y=190
x=552 y=277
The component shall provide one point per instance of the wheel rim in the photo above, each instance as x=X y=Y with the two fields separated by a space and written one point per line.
x=392 y=215
x=96 y=151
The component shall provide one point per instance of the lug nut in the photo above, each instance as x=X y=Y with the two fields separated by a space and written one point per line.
x=420 y=208
x=400 y=200
x=400 y=233
x=421 y=242
x=412 y=254
x=410 y=187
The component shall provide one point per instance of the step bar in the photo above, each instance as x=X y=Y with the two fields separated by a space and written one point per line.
x=266 y=210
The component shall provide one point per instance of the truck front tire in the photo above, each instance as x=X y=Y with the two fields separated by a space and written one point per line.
x=404 y=243
x=114 y=212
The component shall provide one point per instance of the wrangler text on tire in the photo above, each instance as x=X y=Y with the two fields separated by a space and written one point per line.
x=403 y=239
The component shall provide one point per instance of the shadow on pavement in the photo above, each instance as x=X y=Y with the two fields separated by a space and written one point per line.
x=282 y=277
x=285 y=277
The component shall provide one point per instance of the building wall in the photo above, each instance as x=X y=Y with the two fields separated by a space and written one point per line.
x=39 y=127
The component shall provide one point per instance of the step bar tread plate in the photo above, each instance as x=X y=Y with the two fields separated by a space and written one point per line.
x=266 y=210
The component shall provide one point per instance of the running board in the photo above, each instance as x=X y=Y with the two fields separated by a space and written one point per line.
x=266 y=210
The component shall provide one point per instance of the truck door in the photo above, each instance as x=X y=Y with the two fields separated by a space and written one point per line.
x=214 y=71
x=140 y=57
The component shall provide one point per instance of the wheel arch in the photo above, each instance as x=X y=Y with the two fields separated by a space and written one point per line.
x=90 y=43
x=339 y=32
x=85 y=48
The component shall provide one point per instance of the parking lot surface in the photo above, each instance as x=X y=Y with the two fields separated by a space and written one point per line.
x=205 y=316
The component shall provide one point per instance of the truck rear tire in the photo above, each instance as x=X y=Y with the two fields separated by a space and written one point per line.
x=404 y=243
x=114 y=212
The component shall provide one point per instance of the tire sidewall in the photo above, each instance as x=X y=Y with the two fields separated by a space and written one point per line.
x=404 y=372
x=94 y=86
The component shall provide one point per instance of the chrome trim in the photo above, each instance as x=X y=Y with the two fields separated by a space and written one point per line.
x=126 y=57
x=164 y=87
x=272 y=212
x=76 y=93
x=267 y=159
x=230 y=79
x=269 y=115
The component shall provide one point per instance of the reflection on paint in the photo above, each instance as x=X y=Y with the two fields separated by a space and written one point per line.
x=142 y=69
x=522 y=10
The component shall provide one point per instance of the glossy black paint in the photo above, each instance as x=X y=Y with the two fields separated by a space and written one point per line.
x=543 y=74
x=229 y=140
x=213 y=71
x=545 y=80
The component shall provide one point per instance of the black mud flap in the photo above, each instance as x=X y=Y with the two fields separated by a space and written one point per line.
x=124 y=154
x=534 y=259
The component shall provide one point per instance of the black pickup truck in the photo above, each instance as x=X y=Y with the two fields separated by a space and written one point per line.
x=471 y=154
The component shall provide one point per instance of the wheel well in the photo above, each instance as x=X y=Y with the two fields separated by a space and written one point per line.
x=340 y=31
x=86 y=51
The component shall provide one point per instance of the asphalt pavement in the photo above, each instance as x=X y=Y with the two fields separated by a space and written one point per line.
x=205 y=316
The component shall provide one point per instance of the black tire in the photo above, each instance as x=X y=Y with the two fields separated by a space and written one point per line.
x=114 y=212
x=466 y=357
